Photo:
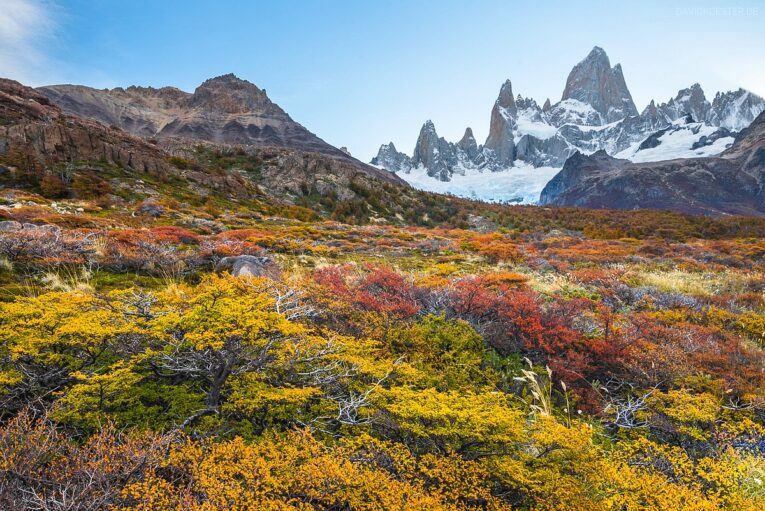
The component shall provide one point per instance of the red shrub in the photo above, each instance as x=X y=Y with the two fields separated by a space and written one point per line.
x=379 y=289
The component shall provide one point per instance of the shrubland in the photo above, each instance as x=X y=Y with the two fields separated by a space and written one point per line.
x=492 y=357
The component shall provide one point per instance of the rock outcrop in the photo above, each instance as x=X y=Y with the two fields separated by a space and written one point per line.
x=32 y=122
x=249 y=266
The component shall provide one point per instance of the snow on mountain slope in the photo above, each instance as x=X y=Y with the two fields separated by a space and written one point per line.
x=680 y=140
x=573 y=111
x=529 y=123
x=516 y=185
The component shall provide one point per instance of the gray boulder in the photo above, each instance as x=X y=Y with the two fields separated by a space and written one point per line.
x=249 y=266
x=10 y=225
x=151 y=209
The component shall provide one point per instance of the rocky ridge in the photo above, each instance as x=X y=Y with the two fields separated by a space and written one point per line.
x=223 y=110
x=731 y=183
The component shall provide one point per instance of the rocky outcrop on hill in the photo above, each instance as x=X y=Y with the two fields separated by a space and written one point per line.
x=38 y=142
x=32 y=123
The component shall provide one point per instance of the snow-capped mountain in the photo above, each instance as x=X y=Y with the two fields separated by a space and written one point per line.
x=527 y=143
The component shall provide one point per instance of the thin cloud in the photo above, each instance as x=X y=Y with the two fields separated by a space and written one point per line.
x=26 y=27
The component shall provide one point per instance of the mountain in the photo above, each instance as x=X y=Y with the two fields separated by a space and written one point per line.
x=47 y=151
x=596 y=112
x=731 y=183
x=594 y=82
x=225 y=110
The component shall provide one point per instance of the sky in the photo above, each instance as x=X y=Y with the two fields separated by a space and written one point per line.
x=361 y=73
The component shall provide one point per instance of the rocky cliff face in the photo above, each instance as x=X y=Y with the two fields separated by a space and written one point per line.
x=735 y=110
x=732 y=183
x=594 y=82
x=225 y=110
x=500 y=141
x=30 y=121
x=690 y=101
x=596 y=113
x=434 y=153
x=468 y=145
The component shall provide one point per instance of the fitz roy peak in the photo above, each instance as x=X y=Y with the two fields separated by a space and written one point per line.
x=596 y=112
x=594 y=82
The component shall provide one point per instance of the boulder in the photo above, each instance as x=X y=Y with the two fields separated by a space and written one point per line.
x=249 y=266
x=151 y=209
x=10 y=225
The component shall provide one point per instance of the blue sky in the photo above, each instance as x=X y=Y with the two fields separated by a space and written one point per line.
x=359 y=73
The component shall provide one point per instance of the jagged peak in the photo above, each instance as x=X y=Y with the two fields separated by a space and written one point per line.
x=428 y=126
x=693 y=89
x=598 y=54
x=467 y=138
x=593 y=81
x=505 y=98
x=226 y=78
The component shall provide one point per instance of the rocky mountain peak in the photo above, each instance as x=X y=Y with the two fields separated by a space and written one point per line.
x=468 y=137
x=593 y=81
x=231 y=95
x=434 y=153
x=388 y=157
x=225 y=109
x=505 y=99
x=468 y=144
x=735 y=110
x=597 y=114
x=500 y=139
x=689 y=101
